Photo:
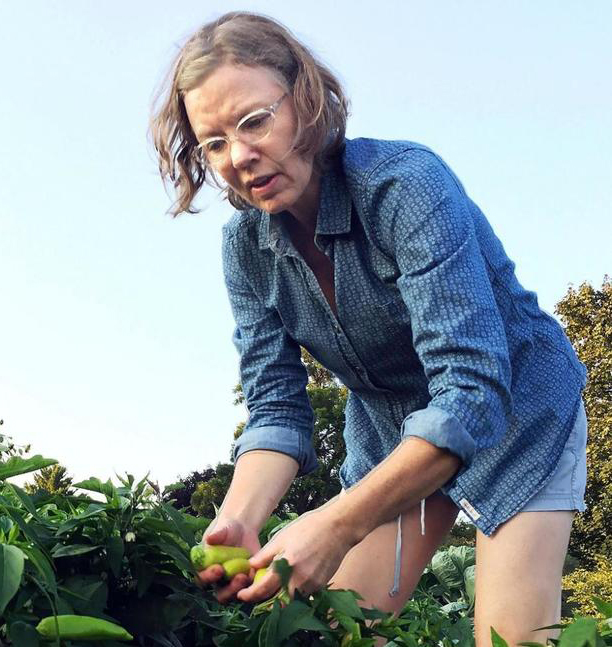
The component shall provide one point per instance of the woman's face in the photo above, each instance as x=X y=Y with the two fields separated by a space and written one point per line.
x=267 y=174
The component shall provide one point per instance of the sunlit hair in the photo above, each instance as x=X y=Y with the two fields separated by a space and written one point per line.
x=254 y=40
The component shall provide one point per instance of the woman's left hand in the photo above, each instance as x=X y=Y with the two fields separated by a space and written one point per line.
x=314 y=546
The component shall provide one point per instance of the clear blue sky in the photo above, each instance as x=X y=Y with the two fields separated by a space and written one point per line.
x=115 y=331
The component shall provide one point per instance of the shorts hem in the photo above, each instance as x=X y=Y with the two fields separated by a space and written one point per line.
x=552 y=504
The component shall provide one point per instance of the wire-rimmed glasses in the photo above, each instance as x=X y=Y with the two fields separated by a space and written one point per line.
x=251 y=129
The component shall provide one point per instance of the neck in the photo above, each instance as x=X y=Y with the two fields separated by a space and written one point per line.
x=306 y=209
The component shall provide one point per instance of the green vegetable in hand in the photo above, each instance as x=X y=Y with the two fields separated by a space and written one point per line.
x=81 y=628
x=237 y=565
x=261 y=572
x=204 y=556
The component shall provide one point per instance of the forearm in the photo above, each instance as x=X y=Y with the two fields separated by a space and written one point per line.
x=261 y=478
x=413 y=471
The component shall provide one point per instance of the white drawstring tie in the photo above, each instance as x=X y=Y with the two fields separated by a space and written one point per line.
x=398 y=550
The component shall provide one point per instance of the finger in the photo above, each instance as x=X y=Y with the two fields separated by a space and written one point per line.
x=226 y=593
x=211 y=574
x=218 y=536
x=265 y=588
x=265 y=556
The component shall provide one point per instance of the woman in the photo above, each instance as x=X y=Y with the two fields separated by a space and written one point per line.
x=463 y=393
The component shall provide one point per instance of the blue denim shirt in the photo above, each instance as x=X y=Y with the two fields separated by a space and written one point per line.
x=434 y=335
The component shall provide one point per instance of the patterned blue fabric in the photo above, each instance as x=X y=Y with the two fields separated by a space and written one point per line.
x=434 y=338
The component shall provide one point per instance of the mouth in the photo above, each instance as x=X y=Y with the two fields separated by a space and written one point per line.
x=262 y=183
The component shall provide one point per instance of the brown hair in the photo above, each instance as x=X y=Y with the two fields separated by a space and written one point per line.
x=246 y=39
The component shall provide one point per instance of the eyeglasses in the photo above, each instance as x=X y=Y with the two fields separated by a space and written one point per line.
x=251 y=129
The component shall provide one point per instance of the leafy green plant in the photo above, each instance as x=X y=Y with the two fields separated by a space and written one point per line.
x=450 y=579
x=120 y=553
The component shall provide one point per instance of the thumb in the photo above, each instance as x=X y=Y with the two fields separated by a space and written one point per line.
x=218 y=535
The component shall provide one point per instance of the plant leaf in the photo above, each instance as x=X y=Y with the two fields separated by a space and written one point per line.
x=605 y=608
x=94 y=484
x=43 y=566
x=17 y=465
x=580 y=633
x=73 y=549
x=23 y=635
x=114 y=552
x=283 y=570
x=11 y=570
x=469 y=578
x=25 y=499
x=91 y=511
x=344 y=602
x=178 y=520
x=497 y=640
x=296 y=616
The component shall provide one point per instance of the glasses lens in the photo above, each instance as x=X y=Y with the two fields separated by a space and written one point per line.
x=255 y=127
x=212 y=150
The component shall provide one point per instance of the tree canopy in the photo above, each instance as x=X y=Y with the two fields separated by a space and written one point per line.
x=586 y=313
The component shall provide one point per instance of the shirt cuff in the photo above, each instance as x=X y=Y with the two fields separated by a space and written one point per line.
x=278 y=439
x=442 y=429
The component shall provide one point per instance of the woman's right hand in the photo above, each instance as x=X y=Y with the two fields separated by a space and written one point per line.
x=229 y=532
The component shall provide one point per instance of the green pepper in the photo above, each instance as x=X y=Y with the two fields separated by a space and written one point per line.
x=261 y=572
x=81 y=628
x=237 y=565
x=204 y=556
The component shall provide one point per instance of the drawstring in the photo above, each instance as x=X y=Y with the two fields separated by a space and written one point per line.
x=398 y=550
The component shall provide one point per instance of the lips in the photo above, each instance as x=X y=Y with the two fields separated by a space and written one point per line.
x=261 y=181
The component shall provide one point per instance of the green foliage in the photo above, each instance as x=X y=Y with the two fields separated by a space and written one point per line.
x=583 y=584
x=450 y=580
x=587 y=315
x=180 y=493
x=463 y=533
x=125 y=559
x=208 y=496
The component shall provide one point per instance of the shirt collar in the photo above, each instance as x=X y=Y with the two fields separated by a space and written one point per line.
x=334 y=217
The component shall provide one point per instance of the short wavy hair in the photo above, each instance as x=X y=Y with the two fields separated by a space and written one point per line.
x=250 y=39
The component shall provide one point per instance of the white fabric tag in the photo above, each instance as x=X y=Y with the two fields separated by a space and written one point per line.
x=470 y=509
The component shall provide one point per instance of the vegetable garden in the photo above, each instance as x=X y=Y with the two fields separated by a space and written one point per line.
x=113 y=564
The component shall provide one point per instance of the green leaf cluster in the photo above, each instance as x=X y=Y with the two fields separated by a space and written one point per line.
x=586 y=313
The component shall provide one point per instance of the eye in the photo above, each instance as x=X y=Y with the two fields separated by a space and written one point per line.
x=213 y=145
x=256 y=123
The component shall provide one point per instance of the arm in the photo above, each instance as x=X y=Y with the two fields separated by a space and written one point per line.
x=251 y=497
x=376 y=499
x=253 y=494
x=272 y=375
x=423 y=218
x=275 y=444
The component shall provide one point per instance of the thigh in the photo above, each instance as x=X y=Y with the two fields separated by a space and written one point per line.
x=518 y=576
x=368 y=567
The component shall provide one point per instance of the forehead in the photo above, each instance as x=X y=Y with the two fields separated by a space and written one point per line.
x=227 y=94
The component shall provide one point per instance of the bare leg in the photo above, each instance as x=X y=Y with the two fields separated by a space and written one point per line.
x=368 y=567
x=518 y=577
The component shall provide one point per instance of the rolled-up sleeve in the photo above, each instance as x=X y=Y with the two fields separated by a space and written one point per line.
x=272 y=375
x=423 y=216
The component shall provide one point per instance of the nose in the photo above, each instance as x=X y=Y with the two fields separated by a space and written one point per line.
x=242 y=154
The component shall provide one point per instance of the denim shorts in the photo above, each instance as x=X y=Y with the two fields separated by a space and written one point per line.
x=565 y=490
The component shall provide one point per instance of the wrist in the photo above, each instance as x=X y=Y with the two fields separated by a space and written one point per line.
x=344 y=523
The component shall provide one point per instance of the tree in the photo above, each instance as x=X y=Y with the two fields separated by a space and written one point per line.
x=587 y=316
x=180 y=493
x=53 y=479
x=208 y=496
